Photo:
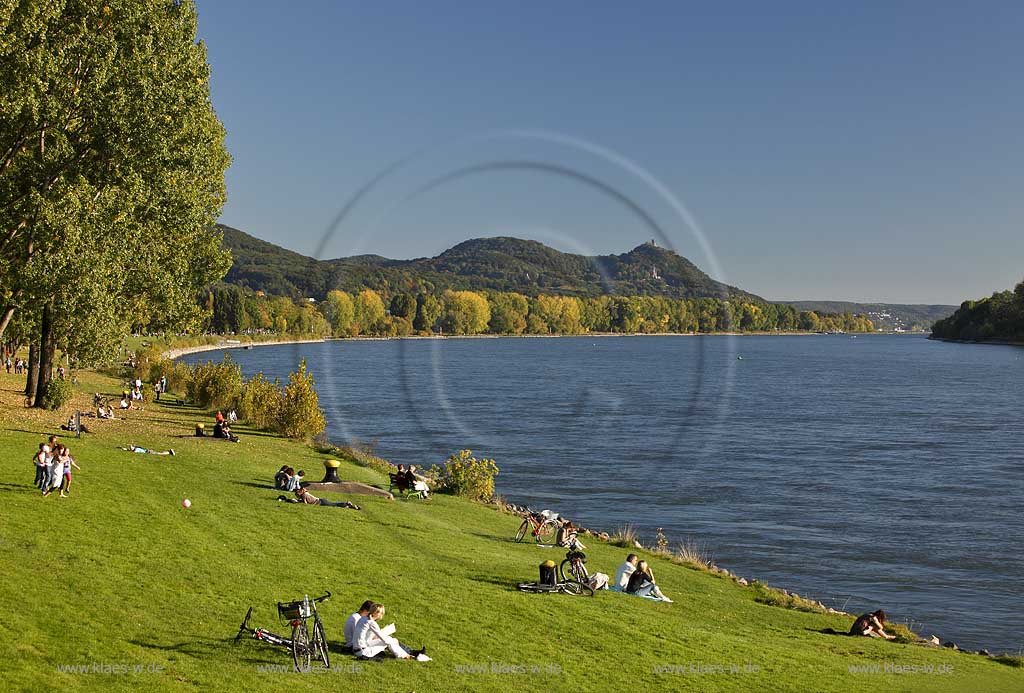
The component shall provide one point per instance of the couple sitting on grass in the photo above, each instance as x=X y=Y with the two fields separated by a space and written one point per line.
x=287 y=479
x=636 y=577
x=367 y=640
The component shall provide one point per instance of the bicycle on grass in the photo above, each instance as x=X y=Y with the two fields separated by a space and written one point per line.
x=543 y=526
x=304 y=645
x=574 y=567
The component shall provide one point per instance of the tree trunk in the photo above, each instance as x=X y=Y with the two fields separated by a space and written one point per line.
x=46 y=351
x=33 y=371
x=5 y=319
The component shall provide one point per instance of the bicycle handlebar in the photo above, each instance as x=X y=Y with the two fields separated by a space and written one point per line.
x=324 y=598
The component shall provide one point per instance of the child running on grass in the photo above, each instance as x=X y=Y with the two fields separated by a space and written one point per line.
x=69 y=462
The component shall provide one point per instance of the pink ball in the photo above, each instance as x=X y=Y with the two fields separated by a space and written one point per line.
x=186 y=503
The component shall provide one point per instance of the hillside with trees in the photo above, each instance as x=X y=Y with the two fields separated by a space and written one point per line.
x=1000 y=317
x=483 y=264
x=889 y=317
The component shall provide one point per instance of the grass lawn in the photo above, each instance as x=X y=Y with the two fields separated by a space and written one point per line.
x=121 y=574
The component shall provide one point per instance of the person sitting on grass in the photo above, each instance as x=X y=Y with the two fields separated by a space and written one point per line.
x=281 y=478
x=373 y=643
x=353 y=620
x=871 y=625
x=641 y=583
x=309 y=499
x=568 y=536
x=222 y=430
x=294 y=479
x=624 y=572
x=144 y=451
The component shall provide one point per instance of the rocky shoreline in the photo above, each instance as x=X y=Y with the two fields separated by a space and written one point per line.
x=805 y=603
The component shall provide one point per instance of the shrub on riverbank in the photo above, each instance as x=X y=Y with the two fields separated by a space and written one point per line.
x=215 y=384
x=464 y=475
x=299 y=415
x=260 y=403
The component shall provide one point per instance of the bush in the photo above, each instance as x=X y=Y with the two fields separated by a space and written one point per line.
x=465 y=475
x=215 y=384
x=625 y=536
x=300 y=415
x=58 y=393
x=260 y=403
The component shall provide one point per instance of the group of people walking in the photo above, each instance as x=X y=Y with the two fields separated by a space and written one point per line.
x=18 y=366
x=53 y=464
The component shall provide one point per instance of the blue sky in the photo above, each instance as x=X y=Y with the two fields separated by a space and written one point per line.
x=869 y=151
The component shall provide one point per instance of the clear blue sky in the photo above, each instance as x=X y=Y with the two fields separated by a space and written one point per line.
x=858 y=151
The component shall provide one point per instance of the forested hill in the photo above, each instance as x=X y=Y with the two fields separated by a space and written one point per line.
x=999 y=317
x=501 y=264
x=890 y=317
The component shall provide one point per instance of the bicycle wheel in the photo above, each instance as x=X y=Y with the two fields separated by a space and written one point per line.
x=301 y=651
x=579 y=572
x=522 y=530
x=532 y=587
x=244 y=627
x=576 y=588
x=565 y=571
x=546 y=533
x=320 y=644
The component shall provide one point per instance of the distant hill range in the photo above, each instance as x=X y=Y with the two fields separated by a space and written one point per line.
x=525 y=267
x=890 y=317
x=499 y=264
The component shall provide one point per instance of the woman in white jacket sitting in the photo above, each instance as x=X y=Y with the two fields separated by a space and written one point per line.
x=371 y=642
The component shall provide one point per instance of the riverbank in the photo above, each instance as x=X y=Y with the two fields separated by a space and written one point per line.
x=178 y=352
x=1000 y=342
x=227 y=344
x=144 y=582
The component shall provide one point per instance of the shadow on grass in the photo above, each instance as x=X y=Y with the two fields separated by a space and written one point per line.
x=202 y=647
x=17 y=487
x=253 y=484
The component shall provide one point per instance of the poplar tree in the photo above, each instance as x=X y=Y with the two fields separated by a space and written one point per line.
x=112 y=168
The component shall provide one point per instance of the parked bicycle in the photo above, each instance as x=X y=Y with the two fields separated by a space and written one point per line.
x=304 y=644
x=574 y=567
x=543 y=525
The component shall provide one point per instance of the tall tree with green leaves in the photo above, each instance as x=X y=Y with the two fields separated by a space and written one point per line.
x=111 y=169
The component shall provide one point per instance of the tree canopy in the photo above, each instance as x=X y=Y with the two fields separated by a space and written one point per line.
x=112 y=168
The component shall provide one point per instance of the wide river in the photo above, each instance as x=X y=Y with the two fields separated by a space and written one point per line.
x=868 y=472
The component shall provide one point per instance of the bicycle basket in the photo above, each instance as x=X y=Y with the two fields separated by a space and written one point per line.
x=294 y=610
x=576 y=554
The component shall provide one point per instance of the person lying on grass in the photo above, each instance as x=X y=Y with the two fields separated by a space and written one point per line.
x=641 y=583
x=144 y=451
x=871 y=625
x=309 y=499
x=373 y=643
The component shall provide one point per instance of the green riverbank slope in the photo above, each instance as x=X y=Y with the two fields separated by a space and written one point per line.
x=120 y=576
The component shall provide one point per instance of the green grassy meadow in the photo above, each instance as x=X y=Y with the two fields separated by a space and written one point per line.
x=121 y=574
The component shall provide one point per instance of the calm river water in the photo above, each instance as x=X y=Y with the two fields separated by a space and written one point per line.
x=869 y=472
